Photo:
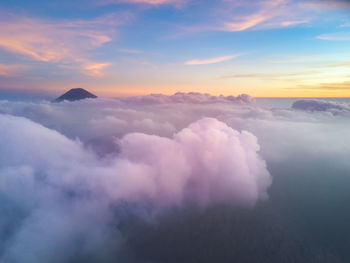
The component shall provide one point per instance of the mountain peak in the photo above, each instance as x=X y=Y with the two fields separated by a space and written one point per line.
x=75 y=94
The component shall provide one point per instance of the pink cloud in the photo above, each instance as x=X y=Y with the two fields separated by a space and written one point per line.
x=236 y=15
x=279 y=13
x=246 y=23
x=211 y=60
x=270 y=14
x=95 y=69
x=64 y=43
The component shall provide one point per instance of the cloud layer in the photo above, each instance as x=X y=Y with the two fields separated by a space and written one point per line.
x=104 y=159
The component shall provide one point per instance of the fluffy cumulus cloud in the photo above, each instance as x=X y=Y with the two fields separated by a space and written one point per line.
x=71 y=172
x=51 y=185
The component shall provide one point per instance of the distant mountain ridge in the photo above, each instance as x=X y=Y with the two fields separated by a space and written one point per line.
x=75 y=94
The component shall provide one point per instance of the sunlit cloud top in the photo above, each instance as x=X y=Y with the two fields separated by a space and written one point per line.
x=131 y=47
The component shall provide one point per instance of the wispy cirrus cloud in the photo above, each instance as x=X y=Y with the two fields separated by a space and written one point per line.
x=271 y=75
x=245 y=23
x=268 y=14
x=210 y=60
x=341 y=36
x=237 y=16
x=95 y=69
x=65 y=43
x=294 y=22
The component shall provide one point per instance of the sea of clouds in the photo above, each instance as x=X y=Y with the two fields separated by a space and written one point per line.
x=70 y=171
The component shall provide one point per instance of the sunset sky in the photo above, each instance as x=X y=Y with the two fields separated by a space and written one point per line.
x=277 y=48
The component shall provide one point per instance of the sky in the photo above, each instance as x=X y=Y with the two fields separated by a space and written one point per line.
x=276 y=48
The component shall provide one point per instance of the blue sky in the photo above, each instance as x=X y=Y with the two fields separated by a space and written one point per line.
x=128 y=47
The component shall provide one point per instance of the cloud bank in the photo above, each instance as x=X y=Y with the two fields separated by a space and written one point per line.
x=190 y=97
x=104 y=159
